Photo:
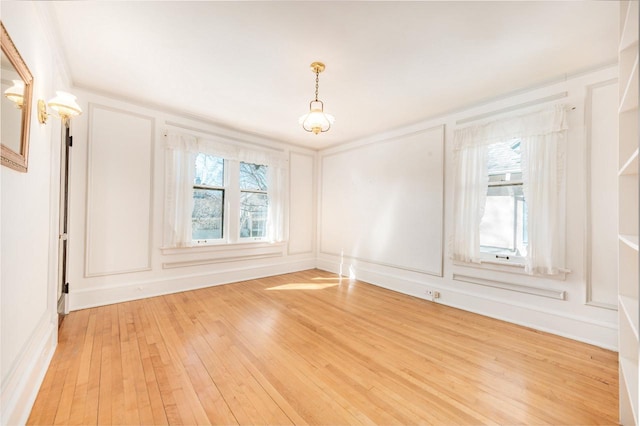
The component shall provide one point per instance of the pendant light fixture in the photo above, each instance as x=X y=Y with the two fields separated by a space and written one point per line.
x=316 y=121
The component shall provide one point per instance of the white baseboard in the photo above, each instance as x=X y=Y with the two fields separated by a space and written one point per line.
x=21 y=386
x=133 y=290
x=578 y=328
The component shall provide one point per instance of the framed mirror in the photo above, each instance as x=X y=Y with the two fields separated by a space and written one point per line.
x=17 y=86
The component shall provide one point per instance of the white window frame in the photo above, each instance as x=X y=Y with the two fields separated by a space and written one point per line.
x=231 y=211
x=225 y=192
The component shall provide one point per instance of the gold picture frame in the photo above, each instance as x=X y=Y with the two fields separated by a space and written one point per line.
x=14 y=140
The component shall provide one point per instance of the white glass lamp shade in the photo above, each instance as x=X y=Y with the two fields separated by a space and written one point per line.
x=15 y=93
x=65 y=105
x=316 y=120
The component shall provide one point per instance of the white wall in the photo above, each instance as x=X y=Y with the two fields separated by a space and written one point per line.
x=580 y=306
x=117 y=203
x=383 y=202
x=29 y=217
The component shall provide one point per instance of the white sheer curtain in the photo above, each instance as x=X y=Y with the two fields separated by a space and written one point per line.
x=277 y=181
x=541 y=134
x=277 y=184
x=542 y=174
x=180 y=158
x=471 y=181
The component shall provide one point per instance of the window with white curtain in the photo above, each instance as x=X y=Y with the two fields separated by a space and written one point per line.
x=218 y=193
x=509 y=191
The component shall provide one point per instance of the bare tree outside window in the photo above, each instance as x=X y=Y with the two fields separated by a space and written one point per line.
x=208 y=198
x=254 y=200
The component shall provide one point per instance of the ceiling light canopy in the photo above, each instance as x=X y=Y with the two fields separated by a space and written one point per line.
x=316 y=120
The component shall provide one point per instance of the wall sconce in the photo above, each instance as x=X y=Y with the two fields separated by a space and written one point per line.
x=15 y=93
x=63 y=103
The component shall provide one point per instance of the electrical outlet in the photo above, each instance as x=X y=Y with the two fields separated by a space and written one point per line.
x=433 y=294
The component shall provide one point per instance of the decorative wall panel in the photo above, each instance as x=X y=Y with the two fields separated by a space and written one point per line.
x=119 y=191
x=383 y=202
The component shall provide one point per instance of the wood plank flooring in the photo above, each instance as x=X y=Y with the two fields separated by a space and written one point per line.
x=309 y=348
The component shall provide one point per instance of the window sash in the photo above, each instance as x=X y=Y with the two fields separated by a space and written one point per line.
x=247 y=219
x=219 y=219
x=504 y=180
x=506 y=254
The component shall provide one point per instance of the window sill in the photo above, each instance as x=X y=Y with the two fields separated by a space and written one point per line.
x=219 y=252
x=509 y=267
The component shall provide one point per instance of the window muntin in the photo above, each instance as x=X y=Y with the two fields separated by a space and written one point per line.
x=503 y=228
x=254 y=200
x=207 y=218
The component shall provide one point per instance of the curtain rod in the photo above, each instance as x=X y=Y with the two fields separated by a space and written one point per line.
x=514 y=107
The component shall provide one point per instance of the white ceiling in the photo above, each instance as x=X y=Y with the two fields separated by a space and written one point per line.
x=245 y=65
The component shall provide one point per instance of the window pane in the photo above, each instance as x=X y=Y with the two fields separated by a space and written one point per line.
x=206 y=219
x=209 y=170
x=253 y=214
x=253 y=177
x=503 y=226
x=504 y=157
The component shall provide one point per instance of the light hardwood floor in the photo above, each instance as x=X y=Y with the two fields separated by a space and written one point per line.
x=309 y=348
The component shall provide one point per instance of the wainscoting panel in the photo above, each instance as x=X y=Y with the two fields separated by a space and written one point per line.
x=601 y=122
x=302 y=205
x=119 y=191
x=383 y=202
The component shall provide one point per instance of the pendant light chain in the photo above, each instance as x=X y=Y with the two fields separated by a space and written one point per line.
x=316 y=120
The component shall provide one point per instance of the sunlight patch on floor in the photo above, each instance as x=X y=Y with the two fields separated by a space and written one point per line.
x=336 y=279
x=304 y=286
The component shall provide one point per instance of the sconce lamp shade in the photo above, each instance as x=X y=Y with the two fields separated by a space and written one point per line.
x=15 y=93
x=316 y=120
x=65 y=105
